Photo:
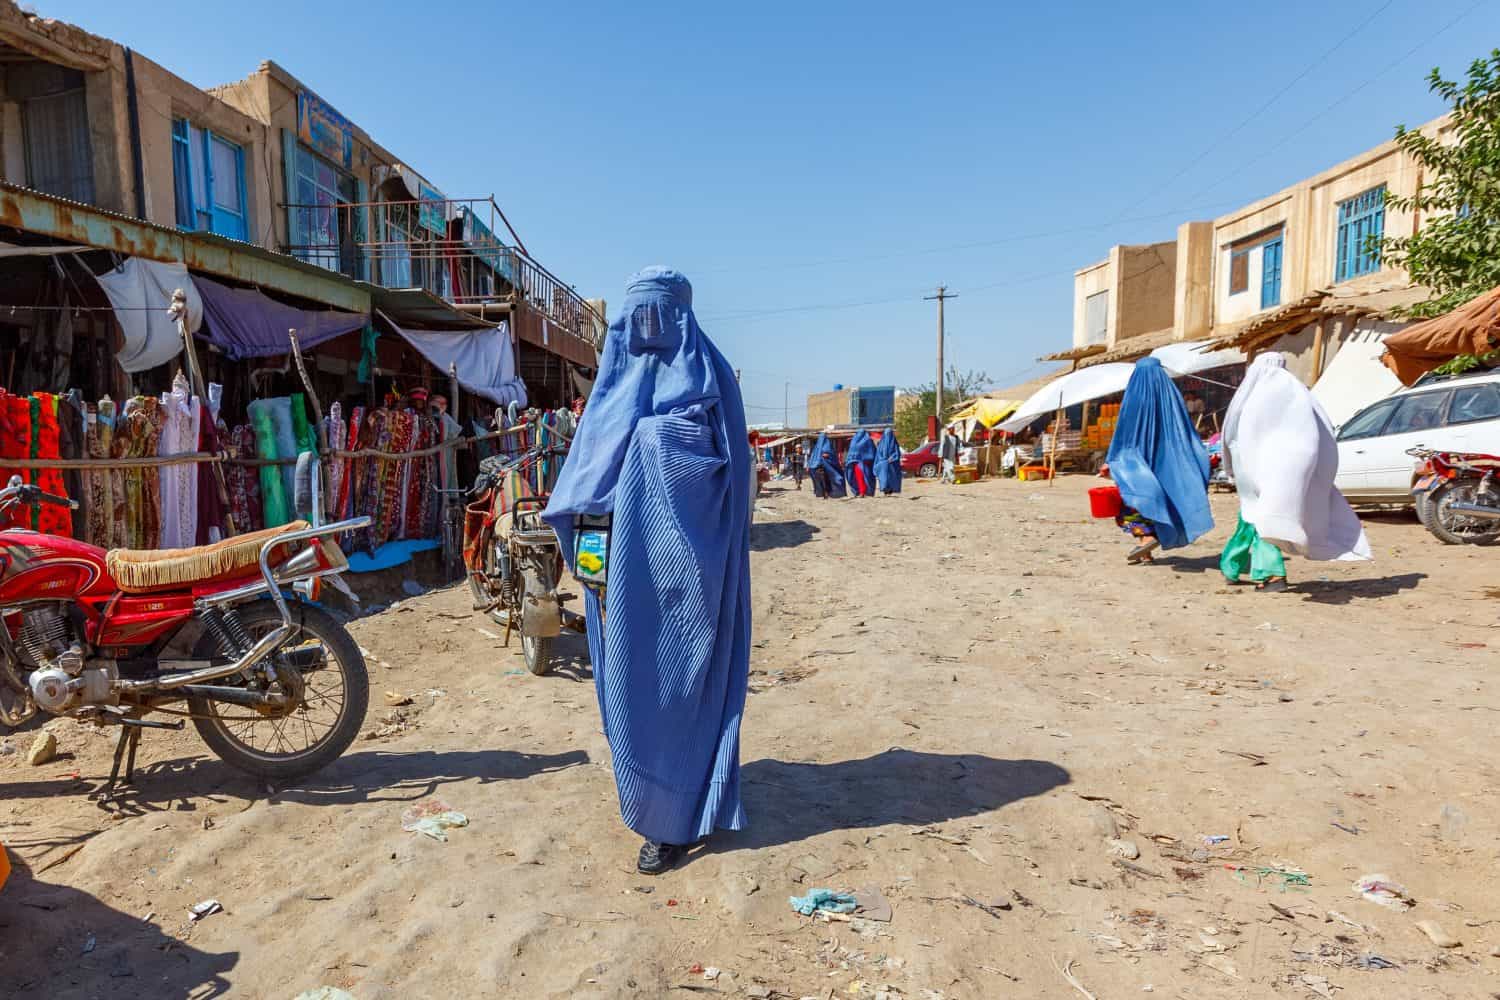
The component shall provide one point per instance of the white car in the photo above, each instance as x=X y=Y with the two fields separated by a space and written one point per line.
x=1460 y=413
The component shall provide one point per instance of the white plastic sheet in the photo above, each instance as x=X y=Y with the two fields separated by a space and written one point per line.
x=484 y=358
x=1190 y=358
x=1070 y=390
x=141 y=292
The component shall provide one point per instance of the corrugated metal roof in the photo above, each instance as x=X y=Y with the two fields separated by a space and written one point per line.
x=1131 y=348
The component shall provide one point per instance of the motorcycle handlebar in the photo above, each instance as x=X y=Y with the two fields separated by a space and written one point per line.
x=33 y=496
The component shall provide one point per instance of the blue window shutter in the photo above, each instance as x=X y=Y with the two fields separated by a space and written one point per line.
x=1270 y=273
x=182 y=174
x=1360 y=220
x=294 y=236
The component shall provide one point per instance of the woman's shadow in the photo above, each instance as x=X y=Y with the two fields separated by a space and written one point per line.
x=790 y=802
x=61 y=942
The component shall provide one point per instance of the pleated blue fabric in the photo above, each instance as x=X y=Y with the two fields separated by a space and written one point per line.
x=859 y=465
x=661 y=449
x=823 y=467
x=1157 y=459
x=888 y=462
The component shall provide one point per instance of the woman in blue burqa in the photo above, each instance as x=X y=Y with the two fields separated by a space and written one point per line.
x=888 y=463
x=823 y=467
x=660 y=453
x=859 y=465
x=1160 y=465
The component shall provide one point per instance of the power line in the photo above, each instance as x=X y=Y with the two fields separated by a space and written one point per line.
x=981 y=244
x=1389 y=67
x=1185 y=169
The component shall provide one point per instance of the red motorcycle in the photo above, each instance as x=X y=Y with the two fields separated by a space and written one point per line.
x=1456 y=495
x=275 y=685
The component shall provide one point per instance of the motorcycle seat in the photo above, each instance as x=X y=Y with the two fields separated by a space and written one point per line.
x=141 y=571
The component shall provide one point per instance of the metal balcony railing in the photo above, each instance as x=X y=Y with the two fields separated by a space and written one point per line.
x=449 y=247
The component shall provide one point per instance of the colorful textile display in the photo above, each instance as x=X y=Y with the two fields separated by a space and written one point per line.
x=137 y=496
x=101 y=527
x=211 y=510
x=1157 y=458
x=47 y=443
x=179 y=483
x=273 y=486
x=244 y=481
x=888 y=463
x=663 y=452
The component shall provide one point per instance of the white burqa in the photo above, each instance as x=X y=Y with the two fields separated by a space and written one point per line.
x=1279 y=447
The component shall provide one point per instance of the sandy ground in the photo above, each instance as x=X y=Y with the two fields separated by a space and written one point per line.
x=962 y=695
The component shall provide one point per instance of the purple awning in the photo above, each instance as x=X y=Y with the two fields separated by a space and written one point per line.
x=249 y=324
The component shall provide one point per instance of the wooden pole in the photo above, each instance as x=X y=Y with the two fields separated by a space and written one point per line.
x=178 y=312
x=1319 y=344
x=1052 y=457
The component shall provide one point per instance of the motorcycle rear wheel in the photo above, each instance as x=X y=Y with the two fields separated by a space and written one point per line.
x=1453 y=528
x=1423 y=503
x=306 y=739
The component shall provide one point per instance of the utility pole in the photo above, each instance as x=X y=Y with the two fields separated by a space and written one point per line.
x=786 y=406
x=942 y=296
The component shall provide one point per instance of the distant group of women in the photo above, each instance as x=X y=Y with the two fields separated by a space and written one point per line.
x=868 y=466
x=1278 y=447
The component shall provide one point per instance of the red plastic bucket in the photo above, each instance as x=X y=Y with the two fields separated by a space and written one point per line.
x=1104 y=501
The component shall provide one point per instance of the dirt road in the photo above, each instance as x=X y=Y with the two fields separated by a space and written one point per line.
x=962 y=696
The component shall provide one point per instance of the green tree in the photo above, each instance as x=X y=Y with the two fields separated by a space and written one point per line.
x=911 y=417
x=1456 y=253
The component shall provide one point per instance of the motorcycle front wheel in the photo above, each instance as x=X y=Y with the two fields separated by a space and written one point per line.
x=330 y=710
x=1454 y=527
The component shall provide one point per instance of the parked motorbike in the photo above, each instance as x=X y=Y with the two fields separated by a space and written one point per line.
x=1456 y=496
x=513 y=560
x=274 y=685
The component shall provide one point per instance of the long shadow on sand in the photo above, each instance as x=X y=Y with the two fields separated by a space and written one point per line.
x=1189 y=564
x=1348 y=591
x=780 y=535
x=789 y=802
x=63 y=943
x=362 y=776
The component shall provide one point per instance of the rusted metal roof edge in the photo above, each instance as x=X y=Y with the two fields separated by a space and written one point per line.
x=58 y=218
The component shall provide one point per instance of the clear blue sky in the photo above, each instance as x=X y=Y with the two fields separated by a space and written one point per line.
x=816 y=168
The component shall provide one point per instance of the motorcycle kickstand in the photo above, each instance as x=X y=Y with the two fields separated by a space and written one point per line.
x=130 y=738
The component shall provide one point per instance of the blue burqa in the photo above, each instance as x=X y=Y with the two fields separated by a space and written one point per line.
x=1157 y=458
x=661 y=448
x=888 y=463
x=824 y=461
x=859 y=465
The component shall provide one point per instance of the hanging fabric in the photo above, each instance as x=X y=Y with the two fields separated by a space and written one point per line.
x=140 y=291
x=179 y=483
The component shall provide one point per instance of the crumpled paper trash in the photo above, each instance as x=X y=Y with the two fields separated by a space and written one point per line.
x=432 y=818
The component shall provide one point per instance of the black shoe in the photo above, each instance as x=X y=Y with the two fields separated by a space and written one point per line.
x=657 y=858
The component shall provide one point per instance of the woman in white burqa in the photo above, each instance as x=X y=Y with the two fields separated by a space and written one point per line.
x=1280 y=449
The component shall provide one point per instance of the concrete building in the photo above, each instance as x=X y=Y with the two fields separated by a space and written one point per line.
x=267 y=164
x=1283 y=264
x=861 y=406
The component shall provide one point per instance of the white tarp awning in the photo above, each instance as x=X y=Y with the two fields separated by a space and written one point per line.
x=140 y=291
x=1070 y=390
x=483 y=357
x=1355 y=377
x=1190 y=358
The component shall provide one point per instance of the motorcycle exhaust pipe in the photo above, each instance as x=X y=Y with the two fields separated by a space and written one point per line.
x=1476 y=510
x=257 y=652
